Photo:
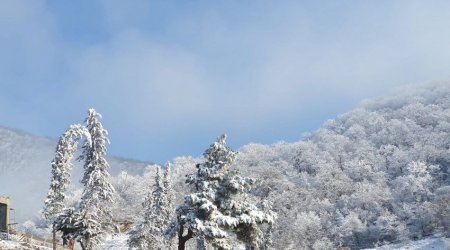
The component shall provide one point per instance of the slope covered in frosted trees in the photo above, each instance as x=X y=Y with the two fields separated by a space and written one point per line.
x=375 y=175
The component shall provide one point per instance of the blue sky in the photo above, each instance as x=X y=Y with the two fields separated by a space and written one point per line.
x=170 y=76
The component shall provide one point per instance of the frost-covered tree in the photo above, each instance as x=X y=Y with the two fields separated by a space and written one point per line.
x=129 y=189
x=416 y=184
x=149 y=233
x=61 y=169
x=140 y=236
x=55 y=204
x=168 y=212
x=95 y=205
x=219 y=205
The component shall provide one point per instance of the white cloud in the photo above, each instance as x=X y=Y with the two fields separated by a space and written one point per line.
x=143 y=81
x=254 y=67
x=247 y=68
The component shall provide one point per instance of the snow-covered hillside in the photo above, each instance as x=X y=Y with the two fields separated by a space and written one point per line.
x=378 y=174
x=25 y=170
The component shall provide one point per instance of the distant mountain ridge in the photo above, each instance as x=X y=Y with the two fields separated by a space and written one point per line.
x=25 y=169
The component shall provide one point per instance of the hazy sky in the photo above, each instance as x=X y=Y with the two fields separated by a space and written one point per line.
x=170 y=76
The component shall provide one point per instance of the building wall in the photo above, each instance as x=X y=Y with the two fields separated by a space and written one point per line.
x=4 y=214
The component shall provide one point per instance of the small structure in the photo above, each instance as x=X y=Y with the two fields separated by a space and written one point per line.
x=4 y=214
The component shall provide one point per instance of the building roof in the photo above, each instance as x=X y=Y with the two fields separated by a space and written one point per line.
x=4 y=200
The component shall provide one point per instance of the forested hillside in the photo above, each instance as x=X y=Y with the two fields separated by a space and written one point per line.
x=375 y=175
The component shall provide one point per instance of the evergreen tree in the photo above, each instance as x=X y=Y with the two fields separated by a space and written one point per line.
x=169 y=206
x=267 y=241
x=149 y=233
x=55 y=210
x=68 y=222
x=61 y=168
x=95 y=206
x=139 y=235
x=219 y=205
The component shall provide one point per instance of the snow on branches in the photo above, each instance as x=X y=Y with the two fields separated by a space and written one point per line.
x=61 y=168
x=158 y=206
x=219 y=205
x=92 y=216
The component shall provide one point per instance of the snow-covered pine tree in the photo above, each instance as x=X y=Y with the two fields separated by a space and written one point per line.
x=219 y=205
x=95 y=205
x=139 y=235
x=267 y=241
x=61 y=168
x=149 y=233
x=169 y=206
x=68 y=223
x=54 y=208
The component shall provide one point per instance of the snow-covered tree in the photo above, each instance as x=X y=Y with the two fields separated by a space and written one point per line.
x=149 y=233
x=61 y=169
x=219 y=206
x=55 y=208
x=69 y=223
x=140 y=236
x=267 y=242
x=389 y=227
x=95 y=205
x=129 y=190
x=168 y=212
x=416 y=184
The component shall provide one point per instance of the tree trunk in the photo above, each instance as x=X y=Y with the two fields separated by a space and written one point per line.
x=54 y=237
x=183 y=239
x=85 y=244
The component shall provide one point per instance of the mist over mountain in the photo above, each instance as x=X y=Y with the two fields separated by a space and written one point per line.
x=25 y=170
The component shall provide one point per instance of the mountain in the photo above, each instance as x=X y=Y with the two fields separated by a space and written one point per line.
x=378 y=174
x=25 y=170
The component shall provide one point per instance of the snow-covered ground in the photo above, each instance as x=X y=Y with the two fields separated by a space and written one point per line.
x=118 y=242
x=6 y=244
x=112 y=243
x=14 y=245
x=425 y=244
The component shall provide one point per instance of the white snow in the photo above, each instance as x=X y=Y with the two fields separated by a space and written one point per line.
x=6 y=244
x=425 y=244
x=13 y=245
x=118 y=242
